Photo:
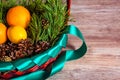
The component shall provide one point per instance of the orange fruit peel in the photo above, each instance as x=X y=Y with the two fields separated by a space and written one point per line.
x=3 y=35
x=18 y=15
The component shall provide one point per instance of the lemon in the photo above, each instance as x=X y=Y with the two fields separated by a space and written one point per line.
x=16 y=34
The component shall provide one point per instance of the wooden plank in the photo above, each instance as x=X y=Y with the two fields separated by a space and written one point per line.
x=99 y=21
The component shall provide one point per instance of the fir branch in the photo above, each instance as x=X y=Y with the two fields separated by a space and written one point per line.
x=35 y=28
x=54 y=12
x=57 y=16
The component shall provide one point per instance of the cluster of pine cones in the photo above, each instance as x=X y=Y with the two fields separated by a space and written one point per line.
x=10 y=51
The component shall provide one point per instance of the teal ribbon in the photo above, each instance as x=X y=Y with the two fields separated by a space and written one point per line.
x=26 y=63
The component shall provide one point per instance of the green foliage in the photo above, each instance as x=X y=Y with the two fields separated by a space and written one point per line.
x=48 y=21
x=57 y=16
x=54 y=12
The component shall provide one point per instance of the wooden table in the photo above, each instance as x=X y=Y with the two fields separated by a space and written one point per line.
x=99 y=21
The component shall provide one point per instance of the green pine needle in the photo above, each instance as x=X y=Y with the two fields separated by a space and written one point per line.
x=53 y=12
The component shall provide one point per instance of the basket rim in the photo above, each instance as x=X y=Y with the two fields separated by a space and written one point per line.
x=35 y=60
x=13 y=64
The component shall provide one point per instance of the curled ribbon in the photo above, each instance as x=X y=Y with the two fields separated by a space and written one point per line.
x=23 y=64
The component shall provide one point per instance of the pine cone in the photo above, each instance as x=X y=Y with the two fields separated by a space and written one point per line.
x=26 y=47
x=44 y=22
x=41 y=46
x=10 y=51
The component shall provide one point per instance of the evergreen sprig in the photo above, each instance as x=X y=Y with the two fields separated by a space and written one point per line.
x=57 y=16
x=53 y=12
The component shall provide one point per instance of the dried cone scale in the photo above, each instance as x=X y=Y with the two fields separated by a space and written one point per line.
x=11 y=51
x=41 y=46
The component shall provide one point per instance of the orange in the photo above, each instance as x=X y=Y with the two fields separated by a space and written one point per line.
x=16 y=34
x=3 y=35
x=18 y=15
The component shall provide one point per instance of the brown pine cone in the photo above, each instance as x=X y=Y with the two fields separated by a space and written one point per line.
x=10 y=51
x=26 y=47
x=44 y=22
x=41 y=46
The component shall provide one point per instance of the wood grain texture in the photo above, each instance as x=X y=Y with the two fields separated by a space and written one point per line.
x=99 y=21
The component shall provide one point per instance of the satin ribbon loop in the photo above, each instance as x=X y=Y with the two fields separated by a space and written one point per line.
x=70 y=54
x=75 y=54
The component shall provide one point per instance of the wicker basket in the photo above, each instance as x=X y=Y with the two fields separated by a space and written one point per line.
x=45 y=64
